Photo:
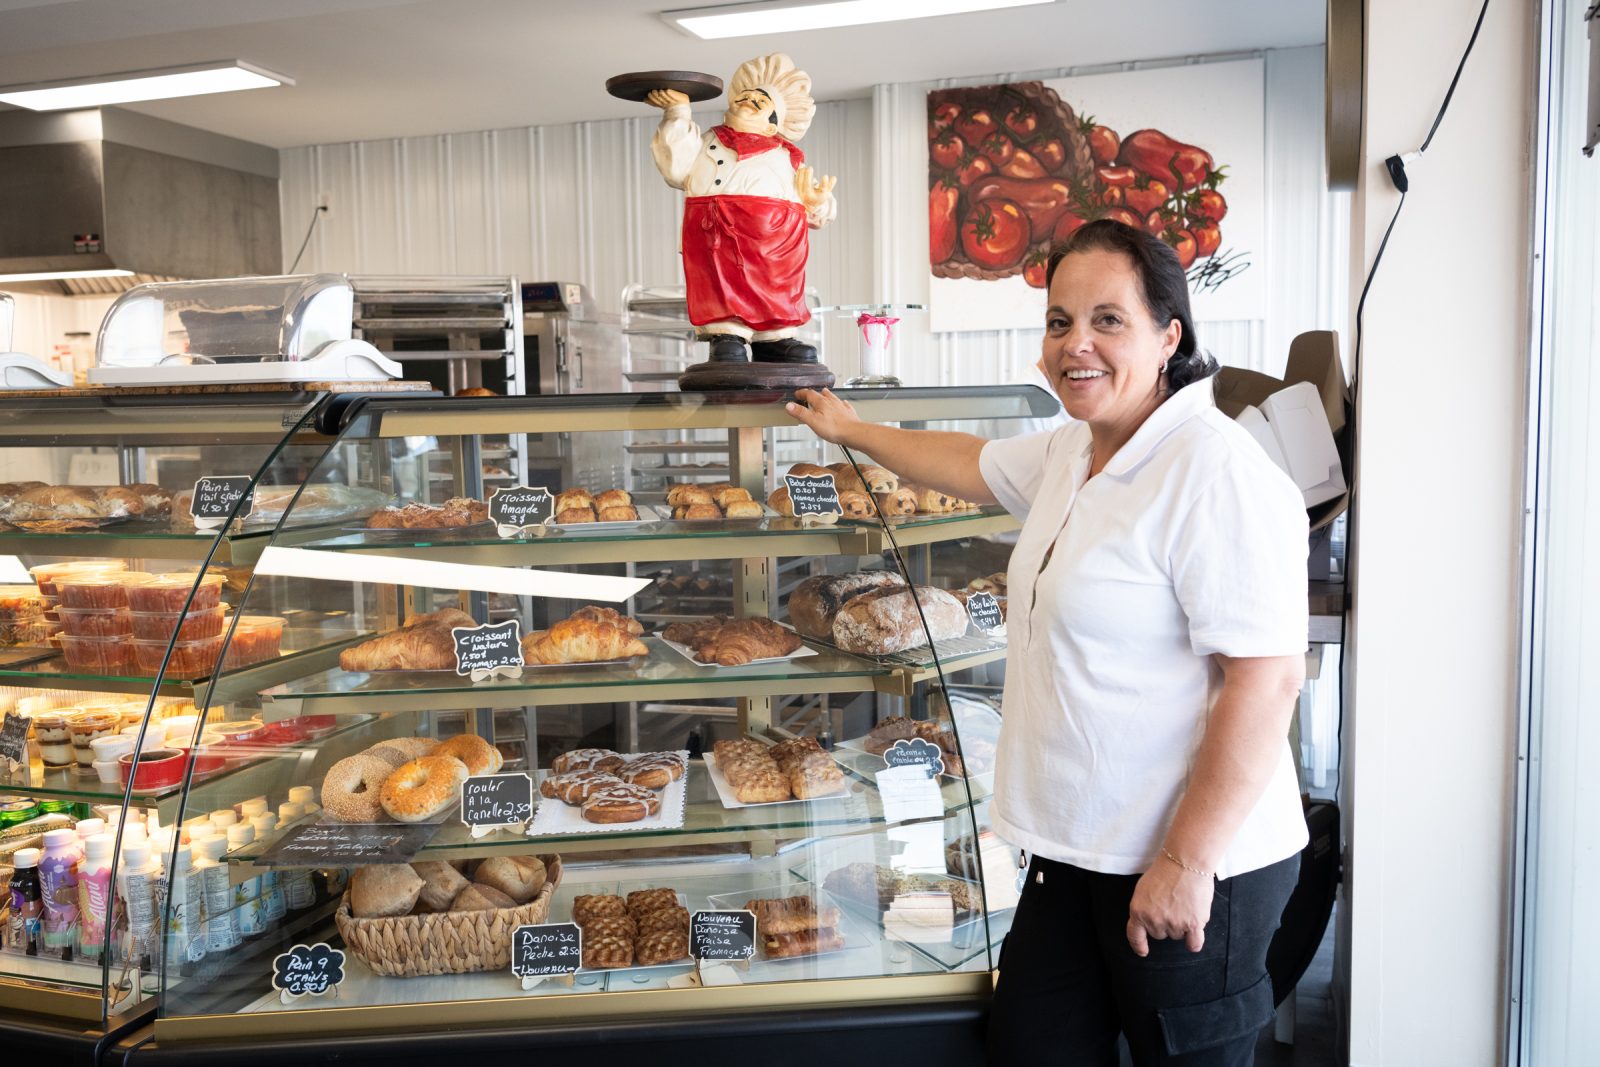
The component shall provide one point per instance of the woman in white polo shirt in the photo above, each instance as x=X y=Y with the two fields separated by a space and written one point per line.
x=1157 y=625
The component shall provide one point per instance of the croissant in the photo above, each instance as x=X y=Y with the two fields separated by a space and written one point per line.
x=609 y=616
x=900 y=502
x=613 y=498
x=581 y=641
x=929 y=501
x=743 y=509
x=570 y=515
x=724 y=497
x=620 y=513
x=415 y=648
x=844 y=477
x=685 y=493
x=574 y=498
x=444 y=617
x=697 y=511
x=740 y=641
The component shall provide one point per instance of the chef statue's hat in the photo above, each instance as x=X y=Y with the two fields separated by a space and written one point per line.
x=789 y=88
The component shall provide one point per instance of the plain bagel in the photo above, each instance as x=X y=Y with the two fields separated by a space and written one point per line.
x=423 y=788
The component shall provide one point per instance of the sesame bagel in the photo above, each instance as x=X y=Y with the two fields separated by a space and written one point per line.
x=423 y=788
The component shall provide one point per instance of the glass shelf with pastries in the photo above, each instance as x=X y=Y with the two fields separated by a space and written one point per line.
x=708 y=759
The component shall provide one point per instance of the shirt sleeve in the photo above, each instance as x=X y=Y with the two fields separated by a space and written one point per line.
x=1013 y=469
x=1239 y=564
x=675 y=145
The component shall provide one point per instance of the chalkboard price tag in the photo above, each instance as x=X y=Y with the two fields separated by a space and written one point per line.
x=722 y=935
x=14 y=739
x=493 y=800
x=915 y=752
x=984 y=611
x=485 y=651
x=813 y=494
x=213 y=499
x=551 y=948
x=348 y=844
x=308 y=971
x=516 y=509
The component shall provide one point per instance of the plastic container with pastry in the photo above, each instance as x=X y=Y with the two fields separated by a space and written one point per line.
x=99 y=655
x=256 y=639
x=189 y=659
x=20 y=602
x=190 y=626
x=887 y=621
x=85 y=727
x=170 y=592
x=46 y=574
x=96 y=622
x=97 y=589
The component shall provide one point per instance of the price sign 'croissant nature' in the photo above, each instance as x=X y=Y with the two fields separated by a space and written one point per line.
x=518 y=508
x=813 y=494
x=550 y=948
x=213 y=499
x=984 y=611
x=308 y=971
x=722 y=935
x=487 y=651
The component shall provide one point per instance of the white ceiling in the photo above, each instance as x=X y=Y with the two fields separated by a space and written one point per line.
x=368 y=69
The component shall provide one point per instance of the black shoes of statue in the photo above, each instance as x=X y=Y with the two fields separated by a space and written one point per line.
x=788 y=350
x=726 y=348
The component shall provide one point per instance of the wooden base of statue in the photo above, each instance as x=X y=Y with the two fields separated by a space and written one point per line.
x=747 y=375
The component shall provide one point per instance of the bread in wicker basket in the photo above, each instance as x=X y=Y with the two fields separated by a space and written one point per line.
x=446 y=942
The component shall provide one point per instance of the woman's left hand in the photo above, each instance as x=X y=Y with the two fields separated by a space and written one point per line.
x=1168 y=903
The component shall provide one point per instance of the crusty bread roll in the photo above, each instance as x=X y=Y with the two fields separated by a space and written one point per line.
x=817 y=600
x=441 y=883
x=480 y=897
x=384 y=889
x=886 y=621
x=518 y=877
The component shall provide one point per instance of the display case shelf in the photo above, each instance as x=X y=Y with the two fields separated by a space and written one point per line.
x=143 y=540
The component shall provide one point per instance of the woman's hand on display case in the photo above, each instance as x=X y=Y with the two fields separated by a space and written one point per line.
x=1169 y=902
x=830 y=418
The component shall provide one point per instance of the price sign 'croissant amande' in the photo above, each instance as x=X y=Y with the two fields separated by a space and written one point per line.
x=750 y=202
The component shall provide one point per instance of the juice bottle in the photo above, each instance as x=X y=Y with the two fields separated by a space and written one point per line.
x=27 y=907
x=247 y=893
x=94 y=893
x=186 y=934
x=138 y=879
x=58 y=888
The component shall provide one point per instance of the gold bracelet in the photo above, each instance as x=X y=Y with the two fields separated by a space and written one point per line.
x=1192 y=870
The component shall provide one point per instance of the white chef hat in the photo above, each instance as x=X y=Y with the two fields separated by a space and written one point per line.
x=790 y=90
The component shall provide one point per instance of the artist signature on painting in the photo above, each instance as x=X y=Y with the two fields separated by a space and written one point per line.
x=1209 y=275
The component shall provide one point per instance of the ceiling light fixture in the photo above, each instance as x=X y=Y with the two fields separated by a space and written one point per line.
x=58 y=275
x=198 y=79
x=790 y=16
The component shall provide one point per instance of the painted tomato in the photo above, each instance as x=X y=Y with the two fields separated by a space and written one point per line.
x=942 y=230
x=1159 y=222
x=1023 y=165
x=1120 y=177
x=1154 y=153
x=947 y=149
x=1207 y=237
x=1207 y=204
x=1067 y=225
x=977 y=126
x=1103 y=143
x=1145 y=195
x=1050 y=155
x=945 y=115
x=1033 y=269
x=1111 y=195
x=1023 y=121
x=1041 y=199
x=1123 y=215
x=998 y=149
x=995 y=234
x=972 y=167
x=1183 y=243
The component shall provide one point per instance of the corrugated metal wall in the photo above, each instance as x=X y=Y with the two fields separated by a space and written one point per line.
x=583 y=202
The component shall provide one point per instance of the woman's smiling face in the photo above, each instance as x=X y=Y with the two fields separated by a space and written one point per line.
x=1101 y=350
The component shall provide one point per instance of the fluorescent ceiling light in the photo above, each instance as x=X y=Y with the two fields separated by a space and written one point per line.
x=54 y=275
x=789 y=16
x=222 y=76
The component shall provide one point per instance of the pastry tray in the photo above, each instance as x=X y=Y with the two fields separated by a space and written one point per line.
x=730 y=799
x=687 y=653
x=555 y=816
x=821 y=897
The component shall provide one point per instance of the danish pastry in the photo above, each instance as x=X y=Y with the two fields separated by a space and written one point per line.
x=610 y=926
x=804 y=943
x=574 y=787
x=602 y=953
x=620 y=804
x=642 y=901
x=597 y=906
x=586 y=759
x=655 y=771
x=673 y=918
x=664 y=946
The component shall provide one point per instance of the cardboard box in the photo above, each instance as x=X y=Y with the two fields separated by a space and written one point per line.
x=1313 y=359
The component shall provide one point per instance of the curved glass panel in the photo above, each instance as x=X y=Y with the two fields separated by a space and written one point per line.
x=779 y=785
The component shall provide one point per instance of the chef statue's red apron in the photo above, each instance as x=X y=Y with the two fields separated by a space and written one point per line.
x=750 y=204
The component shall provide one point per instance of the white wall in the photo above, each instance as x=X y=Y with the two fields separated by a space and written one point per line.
x=1433 y=700
x=42 y=322
x=583 y=202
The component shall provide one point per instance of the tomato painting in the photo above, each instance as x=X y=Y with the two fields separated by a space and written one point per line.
x=998 y=150
x=1145 y=195
x=946 y=150
x=1034 y=268
x=942 y=235
x=995 y=234
x=972 y=167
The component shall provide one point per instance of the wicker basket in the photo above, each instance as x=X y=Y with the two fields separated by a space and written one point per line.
x=447 y=942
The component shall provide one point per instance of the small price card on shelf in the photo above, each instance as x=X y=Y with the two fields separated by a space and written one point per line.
x=484 y=652
x=519 y=510
x=538 y=952
x=984 y=611
x=347 y=844
x=722 y=935
x=308 y=971
x=813 y=494
x=491 y=802
x=213 y=499
x=915 y=752
x=14 y=738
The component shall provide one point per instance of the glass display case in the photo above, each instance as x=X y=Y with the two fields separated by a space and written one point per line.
x=113 y=612
x=731 y=758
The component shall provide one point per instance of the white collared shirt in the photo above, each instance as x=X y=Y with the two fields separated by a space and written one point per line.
x=1190 y=542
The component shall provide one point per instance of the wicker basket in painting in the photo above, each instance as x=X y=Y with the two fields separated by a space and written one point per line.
x=447 y=942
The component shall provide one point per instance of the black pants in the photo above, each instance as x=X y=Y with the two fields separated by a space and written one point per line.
x=1069 y=983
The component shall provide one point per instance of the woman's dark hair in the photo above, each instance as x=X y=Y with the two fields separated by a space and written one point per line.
x=1166 y=290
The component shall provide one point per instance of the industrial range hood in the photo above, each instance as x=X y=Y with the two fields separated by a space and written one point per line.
x=109 y=189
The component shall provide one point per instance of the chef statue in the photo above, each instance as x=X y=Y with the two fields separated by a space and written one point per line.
x=750 y=201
